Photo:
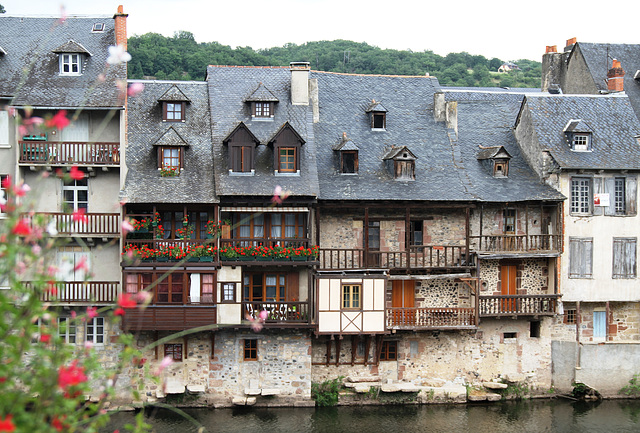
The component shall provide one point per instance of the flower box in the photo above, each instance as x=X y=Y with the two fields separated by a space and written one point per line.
x=162 y=259
x=262 y=258
x=298 y=258
x=206 y=259
x=193 y=259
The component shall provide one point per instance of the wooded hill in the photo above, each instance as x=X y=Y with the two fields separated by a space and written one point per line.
x=182 y=58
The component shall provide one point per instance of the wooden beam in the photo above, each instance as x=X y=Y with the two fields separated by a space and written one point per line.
x=367 y=347
x=378 y=349
x=338 y=347
x=578 y=321
x=213 y=344
x=328 y=352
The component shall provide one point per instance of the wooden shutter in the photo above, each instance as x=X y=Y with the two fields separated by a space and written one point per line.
x=598 y=188
x=631 y=192
x=610 y=188
x=580 y=257
x=293 y=286
x=624 y=258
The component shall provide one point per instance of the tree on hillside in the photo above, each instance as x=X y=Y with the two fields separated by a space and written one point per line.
x=2 y=9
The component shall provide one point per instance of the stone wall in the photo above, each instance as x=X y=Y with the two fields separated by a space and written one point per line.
x=532 y=277
x=623 y=322
x=443 y=293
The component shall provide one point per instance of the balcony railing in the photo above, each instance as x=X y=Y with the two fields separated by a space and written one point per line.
x=69 y=292
x=431 y=318
x=98 y=224
x=418 y=257
x=169 y=317
x=518 y=305
x=516 y=243
x=266 y=242
x=279 y=312
x=59 y=153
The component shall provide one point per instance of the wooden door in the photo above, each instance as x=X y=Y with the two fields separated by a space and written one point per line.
x=508 y=285
x=403 y=298
x=373 y=244
x=509 y=229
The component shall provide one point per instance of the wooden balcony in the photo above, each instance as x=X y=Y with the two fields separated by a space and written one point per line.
x=281 y=313
x=518 y=305
x=67 y=153
x=516 y=243
x=265 y=242
x=84 y=292
x=418 y=257
x=98 y=224
x=431 y=318
x=169 y=317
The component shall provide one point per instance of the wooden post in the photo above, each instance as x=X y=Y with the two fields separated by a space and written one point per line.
x=354 y=348
x=578 y=316
x=526 y=226
x=481 y=216
x=155 y=338
x=185 y=340
x=328 y=352
x=365 y=236
x=338 y=347
x=213 y=344
x=407 y=235
x=367 y=347
x=467 y=234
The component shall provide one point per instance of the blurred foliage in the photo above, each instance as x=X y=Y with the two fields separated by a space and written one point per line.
x=182 y=58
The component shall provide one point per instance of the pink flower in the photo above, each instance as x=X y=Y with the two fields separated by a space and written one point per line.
x=76 y=174
x=92 y=312
x=74 y=314
x=118 y=312
x=71 y=376
x=22 y=228
x=125 y=300
x=167 y=361
x=45 y=338
x=143 y=297
x=279 y=195
x=6 y=182
x=257 y=324
x=263 y=315
x=79 y=216
x=88 y=345
x=117 y=55
x=22 y=190
x=126 y=226
x=135 y=89
x=82 y=265
x=59 y=120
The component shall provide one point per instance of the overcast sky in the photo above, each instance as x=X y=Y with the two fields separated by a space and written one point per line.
x=507 y=29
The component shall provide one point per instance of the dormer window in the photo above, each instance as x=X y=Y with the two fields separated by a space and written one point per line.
x=173 y=111
x=500 y=168
x=348 y=155
x=70 y=64
x=578 y=135
x=496 y=159
x=241 y=144
x=378 y=115
x=404 y=163
x=171 y=153
x=286 y=148
x=262 y=102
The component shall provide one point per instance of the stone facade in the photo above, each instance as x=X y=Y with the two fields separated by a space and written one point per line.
x=623 y=322
x=445 y=293
x=532 y=277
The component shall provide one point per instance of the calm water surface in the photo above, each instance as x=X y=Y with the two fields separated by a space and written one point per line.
x=528 y=416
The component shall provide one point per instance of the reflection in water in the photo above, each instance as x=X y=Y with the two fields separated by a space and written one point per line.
x=512 y=417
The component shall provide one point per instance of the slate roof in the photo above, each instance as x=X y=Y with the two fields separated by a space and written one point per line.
x=446 y=167
x=610 y=117
x=598 y=57
x=262 y=94
x=143 y=183
x=30 y=42
x=486 y=120
x=229 y=86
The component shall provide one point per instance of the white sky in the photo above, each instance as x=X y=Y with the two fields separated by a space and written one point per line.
x=507 y=29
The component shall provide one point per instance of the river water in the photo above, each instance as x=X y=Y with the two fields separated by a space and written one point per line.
x=508 y=417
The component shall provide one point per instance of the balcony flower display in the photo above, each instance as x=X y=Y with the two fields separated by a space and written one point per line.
x=141 y=225
x=169 y=171
x=214 y=229
x=185 y=232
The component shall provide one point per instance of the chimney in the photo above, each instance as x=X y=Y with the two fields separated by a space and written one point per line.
x=299 y=83
x=551 y=49
x=570 y=43
x=121 y=27
x=615 y=77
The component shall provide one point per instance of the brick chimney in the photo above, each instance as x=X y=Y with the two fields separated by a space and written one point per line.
x=551 y=49
x=300 y=83
x=615 y=77
x=121 y=27
x=571 y=42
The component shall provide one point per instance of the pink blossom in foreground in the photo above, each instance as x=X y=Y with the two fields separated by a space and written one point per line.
x=279 y=195
x=79 y=216
x=167 y=361
x=117 y=55
x=125 y=300
x=143 y=297
x=118 y=312
x=82 y=265
x=257 y=324
x=135 y=89
x=71 y=376
x=126 y=226
x=22 y=228
x=76 y=174
x=59 y=120
x=92 y=312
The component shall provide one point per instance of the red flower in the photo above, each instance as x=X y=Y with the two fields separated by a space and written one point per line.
x=57 y=424
x=71 y=376
x=59 y=120
x=125 y=300
x=76 y=174
x=118 y=312
x=6 y=424
x=45 y=338
x=80 y=215
x=6 y=182
x=22 y=228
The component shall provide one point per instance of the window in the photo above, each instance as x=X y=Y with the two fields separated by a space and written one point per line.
x=599 y=325
x=228 y=292
x=75 y=195
x=97 y=27
x=349 y=161
x=581 y=142
x=351 y=296
x=251 y=350
x=135 y=283
x=170 y=290
x=389 y=351
x=378 y=120
x=581 y=195
x=3 y=190
x=619 y=196
x=287 y=160
x=67 y=329
x=173 y=351
x=263 y=109
x=207 y=285
x=624 y=257
x=173 y=111
x=500 y=168
x=570 y=316
x=72 y=262
x=404 y=169
x=70 y=64
x=416 y=228
x=284 y=229
x=94 y=332
x=534 y=329
x=265 y=287
x=173 y=224
x=509 y=221
x=241 y=158
x=171 y=158
x=580 y=257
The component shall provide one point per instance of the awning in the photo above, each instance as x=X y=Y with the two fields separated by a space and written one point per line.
x=263 y=209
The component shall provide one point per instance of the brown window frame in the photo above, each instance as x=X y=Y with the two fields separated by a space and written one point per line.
x=172 y=220
x=290 y=167
x=343 y=166
x=501 y=168
x=570 y=316
x=245 y=219
x=348 y=298
x=162 y=157
x=223 y=293
x=135 y=282
x=258 y=110
x=166 y=111
x=174 y=351
x=280 y=288
x=177 y=289
x=389 y=351
x=380 y=116
x=250 y=349
x=241 y=158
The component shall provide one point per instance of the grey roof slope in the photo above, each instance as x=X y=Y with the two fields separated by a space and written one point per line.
x=598 y=57
x=611 y=118
x=228 y=88
x=30 y=43
x=146 y=130
x=489 y=122
x=446 y=167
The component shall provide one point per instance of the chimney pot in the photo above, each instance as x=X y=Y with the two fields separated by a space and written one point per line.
x=120 y=19
x=615 y=77
x=552 y=49
x=571 y=41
